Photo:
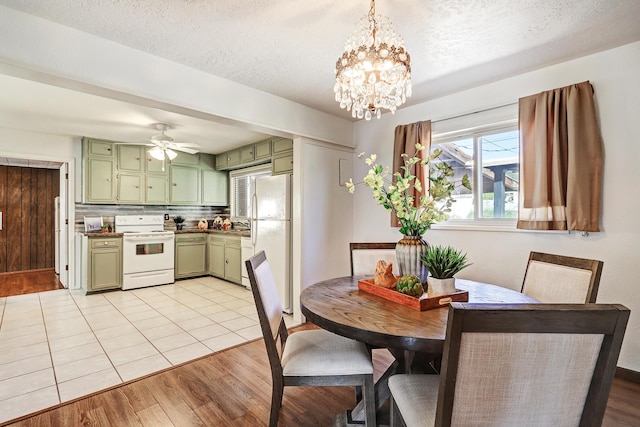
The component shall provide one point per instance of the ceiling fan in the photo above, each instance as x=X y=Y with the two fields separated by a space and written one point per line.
x=164 y=145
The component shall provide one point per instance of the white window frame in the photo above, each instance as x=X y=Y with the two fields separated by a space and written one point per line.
x=474 y=126
x=251 y=173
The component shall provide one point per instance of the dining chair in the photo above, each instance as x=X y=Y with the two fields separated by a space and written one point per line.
x=517 y=365
x=561 y=279
x=364 y=257
x=306 y=358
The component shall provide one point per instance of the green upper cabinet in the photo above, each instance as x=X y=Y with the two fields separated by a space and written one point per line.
x=156 y=189
x=97 y=147
x=247 y=154
x=130 y=188
x=100 y=183
x=184 y=185
x=215 y=188
x=233 y=158
x=131 y=158
x=156 y=166
x=263 y=150
x=221 y=161
x=99 y=171
x=281 y=145
x=186 y=159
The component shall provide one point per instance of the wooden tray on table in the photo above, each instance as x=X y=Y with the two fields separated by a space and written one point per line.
x=423 y=303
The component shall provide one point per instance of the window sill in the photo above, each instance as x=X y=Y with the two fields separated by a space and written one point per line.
x=508 y=226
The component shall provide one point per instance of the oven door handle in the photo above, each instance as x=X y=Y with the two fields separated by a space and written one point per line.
x=148 y=238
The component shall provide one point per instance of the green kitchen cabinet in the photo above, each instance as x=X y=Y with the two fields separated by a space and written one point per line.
x=104 y=263
x=186 y=159
x=130 y=188
x=131 y=158
x=281 y=145
x=156 y=189
x=153 y=165
x=100 y=183
x=215 y=188
x=233 y=259
x=190 y=255
x=184 y=185
x=247 y=154
x=215 y=248
x=225 y=259
x=97 y=147
x=233 y=158
x=263 y=150
x=282 y=164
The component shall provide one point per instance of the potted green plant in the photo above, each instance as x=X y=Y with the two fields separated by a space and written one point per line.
x=178 y=220
x=443 y=263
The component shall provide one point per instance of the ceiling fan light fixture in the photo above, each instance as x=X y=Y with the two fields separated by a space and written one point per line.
x=157 y=153
x=170 y=153
x=374 y=72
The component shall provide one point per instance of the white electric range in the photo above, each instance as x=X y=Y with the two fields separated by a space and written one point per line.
x=147 y=251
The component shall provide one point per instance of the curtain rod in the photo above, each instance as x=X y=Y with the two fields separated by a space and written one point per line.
x=475 y=112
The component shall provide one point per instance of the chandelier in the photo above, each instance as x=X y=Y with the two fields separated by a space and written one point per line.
x=374 y=72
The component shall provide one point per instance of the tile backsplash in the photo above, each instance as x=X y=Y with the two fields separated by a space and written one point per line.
x=192 y=214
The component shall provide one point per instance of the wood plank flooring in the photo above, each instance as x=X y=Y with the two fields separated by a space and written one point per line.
x=233 y=388
x=28 y=282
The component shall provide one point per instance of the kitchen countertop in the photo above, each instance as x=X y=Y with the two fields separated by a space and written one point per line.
x=241 y=233
x=99 y=234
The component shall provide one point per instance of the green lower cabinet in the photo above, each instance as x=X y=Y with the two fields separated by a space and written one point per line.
x=225 y=260
x=104 y=264
x=190 y=255
x=216 y=256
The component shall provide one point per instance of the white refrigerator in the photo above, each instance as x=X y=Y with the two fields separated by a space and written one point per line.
x=271 y=230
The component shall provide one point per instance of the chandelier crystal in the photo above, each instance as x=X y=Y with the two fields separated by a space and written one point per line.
x=374 y=72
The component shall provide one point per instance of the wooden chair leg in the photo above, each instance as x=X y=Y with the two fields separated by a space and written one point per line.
x=394 y=415
x=369 y=396
x=276 y=403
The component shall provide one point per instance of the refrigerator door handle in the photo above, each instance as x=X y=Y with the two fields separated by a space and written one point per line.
x=254 y=219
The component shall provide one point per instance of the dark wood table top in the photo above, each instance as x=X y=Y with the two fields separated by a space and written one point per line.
x=337 y=305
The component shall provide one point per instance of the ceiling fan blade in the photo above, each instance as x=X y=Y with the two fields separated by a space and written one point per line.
x=185 y=149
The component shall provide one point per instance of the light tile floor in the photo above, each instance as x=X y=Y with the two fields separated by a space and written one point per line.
x=59 y=345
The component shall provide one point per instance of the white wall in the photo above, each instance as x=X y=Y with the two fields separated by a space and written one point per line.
x=325 y=209
x=500 y=257
x=55 y=148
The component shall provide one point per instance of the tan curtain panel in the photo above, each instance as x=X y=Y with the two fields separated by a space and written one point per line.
x=560 y=160
x=405 y=140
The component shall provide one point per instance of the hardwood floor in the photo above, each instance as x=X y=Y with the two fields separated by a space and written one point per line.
x=28 y=282
x=233 y=388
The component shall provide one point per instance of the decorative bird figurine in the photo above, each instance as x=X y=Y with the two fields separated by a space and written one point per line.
x=384 y=276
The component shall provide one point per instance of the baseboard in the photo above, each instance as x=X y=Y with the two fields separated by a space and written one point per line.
x=628 y=375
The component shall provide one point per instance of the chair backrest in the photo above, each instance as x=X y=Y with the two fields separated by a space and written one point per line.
x=529 y=364
x=265 y=295
x=561 y=279
x=364 y=257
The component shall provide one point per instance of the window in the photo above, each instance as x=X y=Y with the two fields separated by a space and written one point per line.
x=489 y=154
x=241 y=190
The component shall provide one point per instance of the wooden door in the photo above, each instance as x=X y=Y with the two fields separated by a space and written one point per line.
x=27 y=238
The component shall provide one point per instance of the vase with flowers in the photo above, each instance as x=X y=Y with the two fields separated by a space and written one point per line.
x=396 y=193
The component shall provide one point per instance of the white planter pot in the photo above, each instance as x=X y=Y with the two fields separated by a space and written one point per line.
x=436 y=287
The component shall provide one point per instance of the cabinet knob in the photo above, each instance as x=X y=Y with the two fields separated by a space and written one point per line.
x=226 y=261
x=137 y=186
x=150 y=187
x=106 y=243
x=174 y=184
x=108 y=179
x=137 y=158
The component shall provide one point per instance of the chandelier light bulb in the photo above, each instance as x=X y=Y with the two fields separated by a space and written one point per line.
x=157 y=153
x=374 y=71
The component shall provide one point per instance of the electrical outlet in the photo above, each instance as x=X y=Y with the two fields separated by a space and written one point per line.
x=166 y=217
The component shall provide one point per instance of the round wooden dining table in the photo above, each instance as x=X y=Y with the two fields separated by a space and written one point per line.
x=337 y=305
x=411 y=336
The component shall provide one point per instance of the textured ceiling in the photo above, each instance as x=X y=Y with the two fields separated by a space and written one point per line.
x=289 y=48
